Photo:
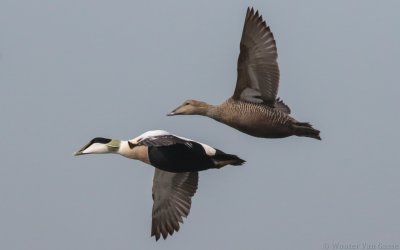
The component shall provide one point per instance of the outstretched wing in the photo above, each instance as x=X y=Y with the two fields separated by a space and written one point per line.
x=258 y=71
x=172 y=193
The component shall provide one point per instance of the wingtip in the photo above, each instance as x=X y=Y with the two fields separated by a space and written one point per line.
x=156 y=236
x=253 y=14
x=250 y=11
x=240 y=162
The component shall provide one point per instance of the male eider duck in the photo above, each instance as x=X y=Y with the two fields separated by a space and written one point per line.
x=254 y=108
x=177 y=161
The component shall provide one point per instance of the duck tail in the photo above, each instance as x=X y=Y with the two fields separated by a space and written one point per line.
x=305 y=129
x=221 y=159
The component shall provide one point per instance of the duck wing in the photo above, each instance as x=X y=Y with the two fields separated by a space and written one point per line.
x=258 y=71
x=172 y=193
x=163 y=140
x=280 y=105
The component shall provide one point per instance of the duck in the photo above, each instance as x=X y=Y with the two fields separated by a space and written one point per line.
x=177 y=161
x=254 y=107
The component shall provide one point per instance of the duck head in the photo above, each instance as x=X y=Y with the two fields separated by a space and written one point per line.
x=99 y=145
x=191 y=107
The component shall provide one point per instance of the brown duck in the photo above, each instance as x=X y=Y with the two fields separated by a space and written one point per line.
x=254 y=108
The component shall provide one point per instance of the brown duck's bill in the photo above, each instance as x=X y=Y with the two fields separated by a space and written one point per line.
x=173 y=112
x=176 y=111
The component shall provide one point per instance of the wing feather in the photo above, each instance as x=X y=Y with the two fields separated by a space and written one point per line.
x=172 y=193
x=258 y=71
x=163 y=140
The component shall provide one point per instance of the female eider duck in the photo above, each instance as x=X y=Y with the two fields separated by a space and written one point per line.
x=177 y=161
x=254 y=108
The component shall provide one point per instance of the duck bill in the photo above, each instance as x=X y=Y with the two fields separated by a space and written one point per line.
x=77 y=153
x=171 y=113
x=80 y=151
x=175 y=112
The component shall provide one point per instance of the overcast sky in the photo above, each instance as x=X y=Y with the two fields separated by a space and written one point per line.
x=74 y=70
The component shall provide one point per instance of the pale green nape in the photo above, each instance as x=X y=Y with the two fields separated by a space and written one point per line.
x=113 y=145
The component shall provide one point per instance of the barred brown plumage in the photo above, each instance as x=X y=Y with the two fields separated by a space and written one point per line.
x=254 y=108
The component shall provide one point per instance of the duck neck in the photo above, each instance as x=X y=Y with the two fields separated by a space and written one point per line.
x=212 y=111
x=136 y=152
x=113 y=146
x=123 y=148
x=209 y=110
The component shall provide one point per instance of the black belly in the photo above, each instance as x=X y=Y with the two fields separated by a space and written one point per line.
x=180 y=158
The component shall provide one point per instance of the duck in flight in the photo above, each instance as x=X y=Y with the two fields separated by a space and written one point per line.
x=254 y=108
x=177 y=161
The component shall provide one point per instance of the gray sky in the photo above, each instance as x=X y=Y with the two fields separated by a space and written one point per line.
x=74 y=70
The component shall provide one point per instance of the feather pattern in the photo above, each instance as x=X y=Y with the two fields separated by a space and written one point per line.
x=158 y=138
x=254 y=108
x=258 y=71
x=164 y=140
x=172 y=193
x=177 y=161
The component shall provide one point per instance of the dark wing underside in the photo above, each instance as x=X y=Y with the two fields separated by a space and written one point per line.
x=258 y=71
x=172 y=193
